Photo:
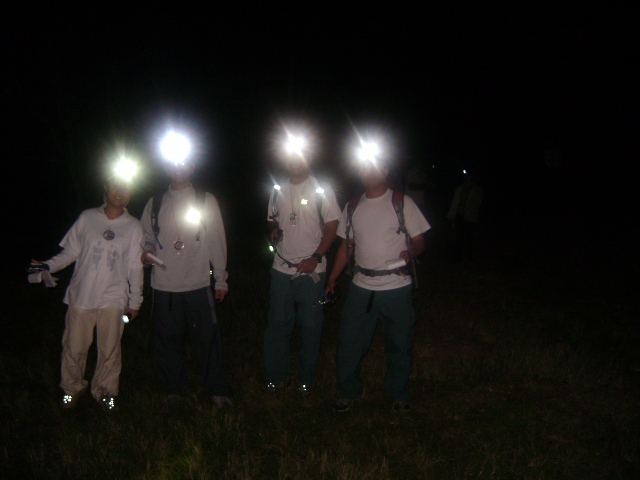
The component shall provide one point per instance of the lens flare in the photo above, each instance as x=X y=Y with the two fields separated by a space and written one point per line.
x=125 y=169
x=193 y=216
x=175 y=147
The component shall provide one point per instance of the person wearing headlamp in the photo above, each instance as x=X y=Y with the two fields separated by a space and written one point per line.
x=105 y=243
x=183 y=228
x=303 y=217
x=382 y=230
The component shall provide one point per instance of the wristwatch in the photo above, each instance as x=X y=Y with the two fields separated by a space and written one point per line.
x=317 y=257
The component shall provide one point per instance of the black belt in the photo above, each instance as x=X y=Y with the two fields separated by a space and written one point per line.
x=380 y=273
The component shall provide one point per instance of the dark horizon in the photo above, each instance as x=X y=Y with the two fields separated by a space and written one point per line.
x=484 y=89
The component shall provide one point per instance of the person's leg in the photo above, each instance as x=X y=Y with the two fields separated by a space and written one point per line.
x=277 y=337
x=169 y=327
x=398 y=321
x=109 y=328
x=76 y=340
x=311 y=320
x=356 y=332
x=207 y=339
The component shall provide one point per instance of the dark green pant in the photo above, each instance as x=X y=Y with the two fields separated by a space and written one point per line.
x=284 y=297
x=395 y=310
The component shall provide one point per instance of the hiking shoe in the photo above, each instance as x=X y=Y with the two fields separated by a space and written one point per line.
x=276 y=387
x=304 y=390
x=109 y=403
x=344 y=404
x=175 y=398
x=400 y=406
x=222 y=402
x=69 y=402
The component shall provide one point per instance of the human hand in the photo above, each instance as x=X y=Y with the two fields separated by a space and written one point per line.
x=133 y=313
x=220 y=294
x=145 y=260
x=307 y=265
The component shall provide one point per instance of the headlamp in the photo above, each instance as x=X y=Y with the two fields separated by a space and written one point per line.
x=368 y=152
x=295 y=144
x=125 y=169
x=175 y=148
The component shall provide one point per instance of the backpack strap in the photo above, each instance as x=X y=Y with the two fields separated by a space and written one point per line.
x=274 y=207
x=319 y=199
x=155 y=212
x=156 y=203
x=397 y=199
x=350 y=240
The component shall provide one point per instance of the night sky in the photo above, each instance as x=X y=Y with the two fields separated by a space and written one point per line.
x=486 y=88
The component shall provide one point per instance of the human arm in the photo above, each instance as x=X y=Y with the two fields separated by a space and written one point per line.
x=217 y=245
x=415 y=249
x=309 y=264
x=340 y=262
x=71 y=247
x=149 y=239
x=135 y=275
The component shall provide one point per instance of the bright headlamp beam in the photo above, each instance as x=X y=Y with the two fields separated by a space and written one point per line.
x=175 y=147
x=295 y=144
x=368 y=151
x=125 y=169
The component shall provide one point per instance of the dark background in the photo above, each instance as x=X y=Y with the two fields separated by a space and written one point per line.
x=492 y=89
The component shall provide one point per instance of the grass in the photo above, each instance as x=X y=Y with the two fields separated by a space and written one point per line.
x=523 y=368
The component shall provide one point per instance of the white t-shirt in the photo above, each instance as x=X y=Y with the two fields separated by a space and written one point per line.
x=205 y=241
x=108 y=271
x=301 y=240
x=375 y=231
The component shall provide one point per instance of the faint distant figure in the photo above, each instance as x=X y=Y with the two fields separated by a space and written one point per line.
x=464 y=214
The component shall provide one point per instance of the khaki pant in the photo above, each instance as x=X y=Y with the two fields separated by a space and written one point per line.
x=76 y=340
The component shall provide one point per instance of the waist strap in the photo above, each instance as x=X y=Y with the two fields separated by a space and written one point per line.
x=380 y=273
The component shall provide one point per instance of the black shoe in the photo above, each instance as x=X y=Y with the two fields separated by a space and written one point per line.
x=344 y=404
x=222 y=402
x=109 y=404
x=276 y=387
x=400 y=406
x=304 y=390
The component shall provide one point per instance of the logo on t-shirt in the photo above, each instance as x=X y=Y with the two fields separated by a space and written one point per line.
x=109 y=235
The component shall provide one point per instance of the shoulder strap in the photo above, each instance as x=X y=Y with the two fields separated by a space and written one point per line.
x=274 y=207
x=397 y=199
x=350 y=243
x=398 y=205
x=156 y=203
x=319 y=198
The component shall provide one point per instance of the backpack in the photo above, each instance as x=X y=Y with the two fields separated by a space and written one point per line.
x=156 y=203
x=397 y=199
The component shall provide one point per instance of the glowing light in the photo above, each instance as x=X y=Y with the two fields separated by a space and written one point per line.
x=271 y=249
x=368 y=151
x=320 y=190
x=276 y=186
x=175 y=147
x=295 y=144
x=125 y=169
x=304 y=201
x=193 y=216
x=464 y=172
